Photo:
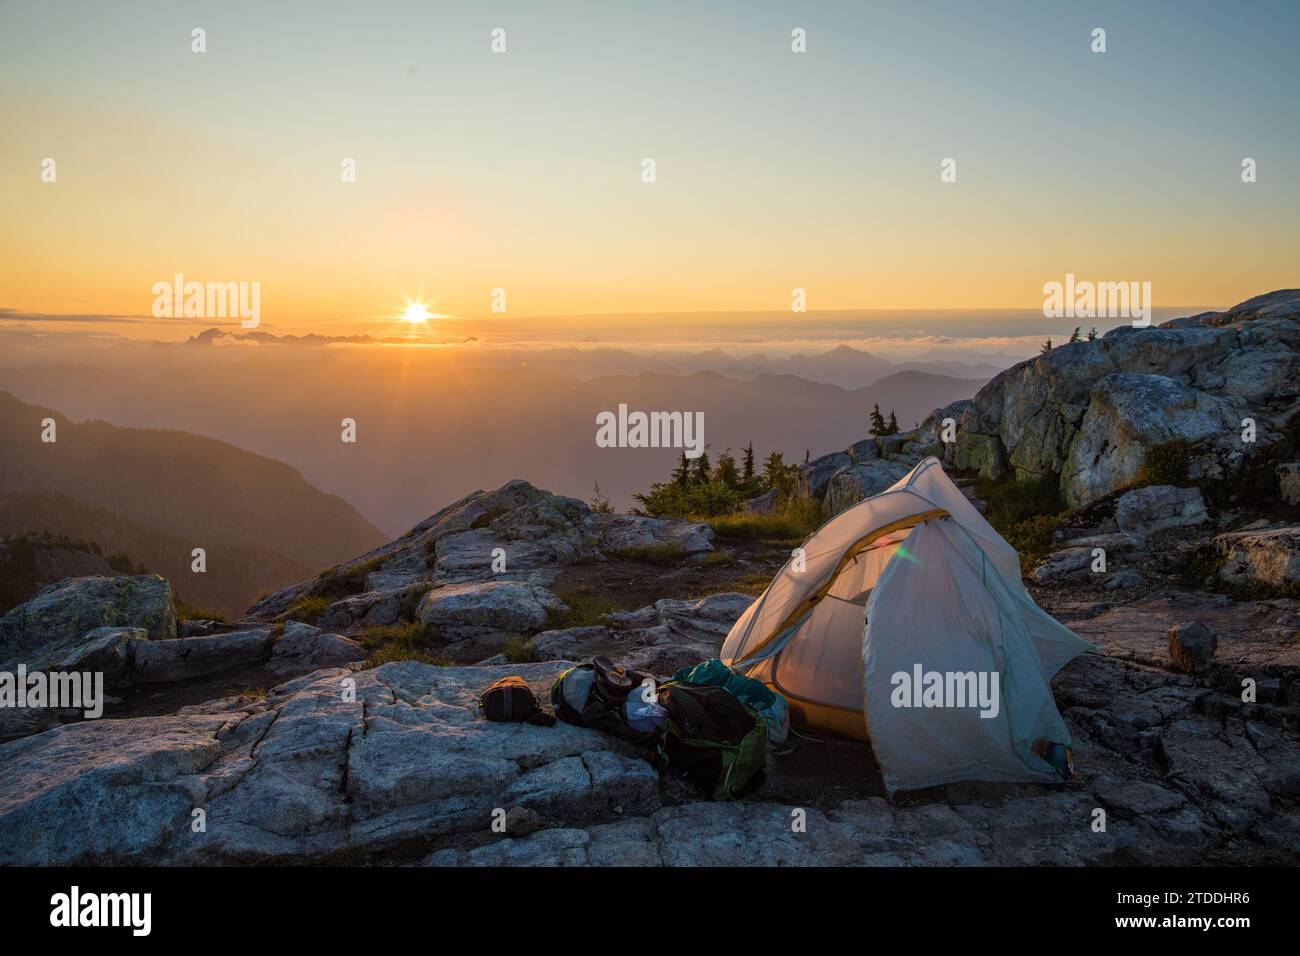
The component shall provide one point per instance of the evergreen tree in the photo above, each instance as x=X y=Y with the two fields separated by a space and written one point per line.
x=893 y=424
x=1074 y=336
x=700 y=470
x=682 y=473
x=725 y=470
x=775 y=470
x=1092 y=334
x=878 y=425
x=747 y=474
x=599 y=503
x=1045 y=347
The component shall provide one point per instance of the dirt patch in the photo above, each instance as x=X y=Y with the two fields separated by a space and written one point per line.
x=740 y=565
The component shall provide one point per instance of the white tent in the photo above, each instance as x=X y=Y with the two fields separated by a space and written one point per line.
x=905 y=623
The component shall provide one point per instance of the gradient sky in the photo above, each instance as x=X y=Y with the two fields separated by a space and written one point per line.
x=522 y=170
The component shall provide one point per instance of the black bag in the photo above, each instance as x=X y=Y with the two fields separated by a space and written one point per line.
x=595 y=695
x=713 y=740
x=511 y=699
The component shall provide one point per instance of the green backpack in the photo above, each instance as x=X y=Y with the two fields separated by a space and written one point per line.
x=713 y=739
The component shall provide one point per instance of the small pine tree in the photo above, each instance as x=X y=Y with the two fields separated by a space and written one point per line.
x=599 y=503
x=700 y=470
x=682 y=473
x=775 y=470
x=1092 y=334
x=892 y=427
x=1045 y=348
x=878 y=425
x=1074 y=336
x=725 y=470
x=747 y=469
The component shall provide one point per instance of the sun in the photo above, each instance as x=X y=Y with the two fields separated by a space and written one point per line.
x=417 y=312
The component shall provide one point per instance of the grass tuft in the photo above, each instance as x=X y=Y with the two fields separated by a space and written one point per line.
x=192 y=612
x=519 y=650
x=585 y=610
x=307 y=608
x=400 y=642
x=658 y=552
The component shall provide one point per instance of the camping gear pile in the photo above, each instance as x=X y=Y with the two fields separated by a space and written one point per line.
x=714 y=735
x=706 y=724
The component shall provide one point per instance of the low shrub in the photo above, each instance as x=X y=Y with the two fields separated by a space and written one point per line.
x=789 y=523
x=1026 y=513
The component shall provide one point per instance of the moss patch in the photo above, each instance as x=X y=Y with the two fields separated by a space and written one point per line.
x=1165 y=464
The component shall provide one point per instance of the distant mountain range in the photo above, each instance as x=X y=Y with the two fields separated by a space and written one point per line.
x=843 y=365
x=159 y=494
x=430 y=428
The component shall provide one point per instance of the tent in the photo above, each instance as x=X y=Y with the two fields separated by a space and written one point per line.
x=903 y=621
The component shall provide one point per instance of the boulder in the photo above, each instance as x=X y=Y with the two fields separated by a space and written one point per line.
x=764 y=504
x=155 y=662
x=1144 y=511
x=1124 y=580
x=507 y=606
x=621 y=532
x=1192 y=646
x=931 y=431
x=816 y=475
x=52 y=624
x=1128 y=415
x=1268 y=558
x=853 y=483
x=372 y=608
x=568 y=643
x=1193 y=379
x=863 y=451
x=105 y=650
x=305 y=648
x=1071 y=562
x=670 y=634
x=521 y=821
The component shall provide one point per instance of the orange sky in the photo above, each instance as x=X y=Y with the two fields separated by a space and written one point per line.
x=523 y=171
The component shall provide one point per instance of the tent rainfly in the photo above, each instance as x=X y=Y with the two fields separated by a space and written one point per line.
x=903 y=621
